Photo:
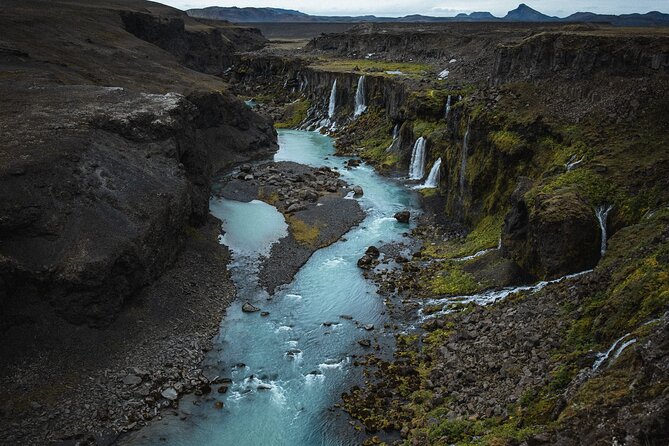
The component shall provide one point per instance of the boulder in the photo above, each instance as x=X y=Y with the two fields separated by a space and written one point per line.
x=373 y=251
x=357 y=191
x=248 y=308
x=403 y=216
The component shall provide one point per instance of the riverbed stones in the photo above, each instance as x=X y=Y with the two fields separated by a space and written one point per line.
x=170 y=393
x=249 y=308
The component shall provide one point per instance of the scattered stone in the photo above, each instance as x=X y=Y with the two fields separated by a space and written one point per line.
x=365 y=342
x=248 y=308
x=131 y=380
x=218 y=404
x=264 y=313
x=170 y=393
x=357 y=191
x=368 y=327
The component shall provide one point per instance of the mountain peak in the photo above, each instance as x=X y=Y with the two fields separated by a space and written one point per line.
x=524 y=13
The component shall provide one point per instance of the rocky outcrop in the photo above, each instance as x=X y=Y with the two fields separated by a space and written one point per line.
x=206 y=46
x=555 y=236
x=100 y=183
x=581 y=55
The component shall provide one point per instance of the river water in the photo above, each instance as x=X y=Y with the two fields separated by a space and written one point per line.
x=288 y=368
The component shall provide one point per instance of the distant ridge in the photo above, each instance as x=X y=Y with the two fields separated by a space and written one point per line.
x=523 y=13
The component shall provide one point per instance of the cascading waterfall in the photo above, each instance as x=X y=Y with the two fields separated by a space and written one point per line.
x=333 y=100
x=463 y=160
x=602 y=357
x=488 y=297
x=360 y=93
x=602 y=213
x=448 y=107
x=417 y=167
x=432 y=180
x=396 y=131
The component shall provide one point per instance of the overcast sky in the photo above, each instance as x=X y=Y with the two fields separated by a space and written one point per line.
x=436 y=7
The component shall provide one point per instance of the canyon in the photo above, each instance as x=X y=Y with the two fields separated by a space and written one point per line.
x=516 y=292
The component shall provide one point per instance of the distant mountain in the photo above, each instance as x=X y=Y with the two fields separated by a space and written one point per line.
x=522 y=13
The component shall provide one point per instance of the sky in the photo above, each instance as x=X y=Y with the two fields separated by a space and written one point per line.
x=560 y=8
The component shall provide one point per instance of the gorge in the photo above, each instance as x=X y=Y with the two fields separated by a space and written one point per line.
x=212 y=238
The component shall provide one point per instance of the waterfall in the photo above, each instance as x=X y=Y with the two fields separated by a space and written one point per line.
x=490 y=296
x=602 y=357
x=433 y=177
x=360 y=94
x=463 y=160
x=417 y=167
x=333 y=100
x=448 y=107
x=602 y=213
x=395 y=145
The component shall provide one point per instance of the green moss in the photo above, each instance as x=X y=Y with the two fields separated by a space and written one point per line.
x=485 y=235
x=376 y=67
x=294 y=115
x=454 y=281
x=507 y=142
x=303 y=232
x=372 y=134
x=426 y=128
x=587 y=183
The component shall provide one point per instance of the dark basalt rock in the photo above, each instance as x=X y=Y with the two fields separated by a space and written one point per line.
x=114 y=175
x=558 y=236
x=403 y=216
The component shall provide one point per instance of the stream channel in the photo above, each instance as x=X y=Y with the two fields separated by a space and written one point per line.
x=288 y=369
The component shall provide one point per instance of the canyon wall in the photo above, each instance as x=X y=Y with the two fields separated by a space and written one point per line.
x=104 y=169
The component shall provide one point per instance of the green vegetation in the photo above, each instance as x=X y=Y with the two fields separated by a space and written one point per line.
x=485 y=235
x=507 y=142
x=452 y=280
x=303 y=232
x=294 y=114
x=371 y=133
x=366 y=66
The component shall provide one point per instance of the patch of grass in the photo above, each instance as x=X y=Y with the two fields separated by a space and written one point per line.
x=303 y=232
x=367 y=66
x=587 y=183
x=294 y=114
x=453 y=281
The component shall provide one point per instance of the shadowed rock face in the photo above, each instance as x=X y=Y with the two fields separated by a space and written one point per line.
x=109 y=146
x=557 y=236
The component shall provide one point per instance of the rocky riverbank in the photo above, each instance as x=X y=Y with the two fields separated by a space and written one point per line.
x=112 y=281
x=76 y=383
x=316 y=206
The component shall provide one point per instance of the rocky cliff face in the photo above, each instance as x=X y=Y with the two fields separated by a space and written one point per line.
x=102 y=171
x=205 y=46
x=581 y=55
